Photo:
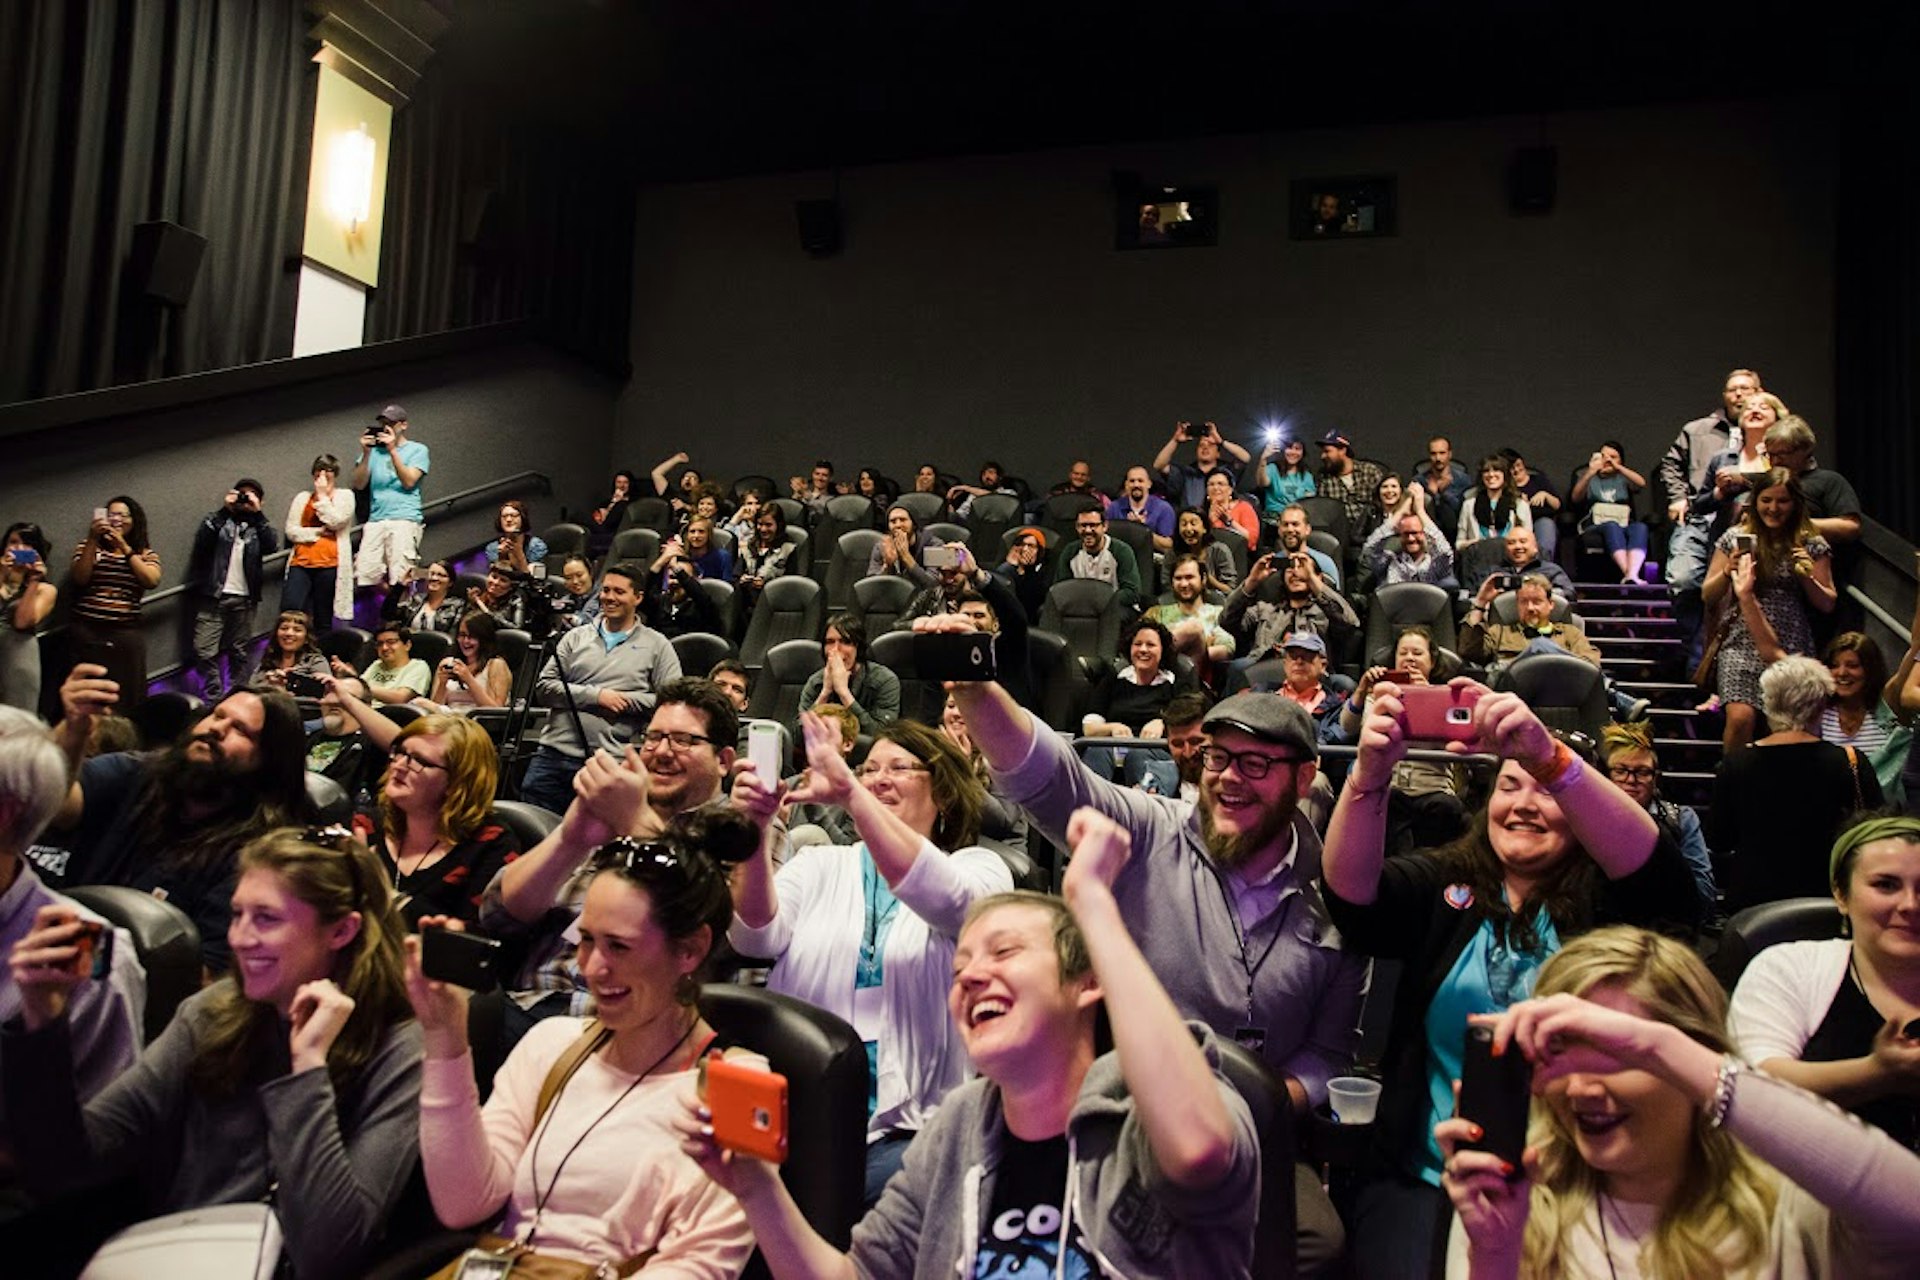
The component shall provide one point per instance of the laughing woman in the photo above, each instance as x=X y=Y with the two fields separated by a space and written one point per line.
x=299 y=1071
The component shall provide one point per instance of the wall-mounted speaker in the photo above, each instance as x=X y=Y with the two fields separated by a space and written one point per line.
x=1532 y=178
x=165 y=261
x=819 y=226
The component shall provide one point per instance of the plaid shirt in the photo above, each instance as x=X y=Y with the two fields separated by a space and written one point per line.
x=550 y=964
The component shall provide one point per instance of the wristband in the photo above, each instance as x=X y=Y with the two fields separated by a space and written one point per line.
x=1556 y=771
x=1359 y=792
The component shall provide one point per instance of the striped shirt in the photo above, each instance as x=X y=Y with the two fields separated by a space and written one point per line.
x=113 y=594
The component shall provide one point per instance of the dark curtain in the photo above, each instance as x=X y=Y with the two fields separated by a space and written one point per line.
x=494 y=215
x=193 y=111
x=1877 y=321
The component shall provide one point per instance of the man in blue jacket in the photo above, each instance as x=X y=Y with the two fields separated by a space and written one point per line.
x=225 y=572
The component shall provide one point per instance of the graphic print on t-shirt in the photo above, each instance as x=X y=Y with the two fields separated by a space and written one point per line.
x=1020 y=1239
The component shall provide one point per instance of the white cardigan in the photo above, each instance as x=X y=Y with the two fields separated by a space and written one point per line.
x=815 y=935
x=1783 y=997
x=337 y=515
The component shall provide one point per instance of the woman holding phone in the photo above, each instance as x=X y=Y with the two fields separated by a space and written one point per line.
x=1777 y=568
x=572 y=1154
x=26 y=598
x=867 y=933
x=1556 y=850
x=291 y=649
x=474 y=674
x=295 y=1078
x=113 y=566
x=1655 y=1154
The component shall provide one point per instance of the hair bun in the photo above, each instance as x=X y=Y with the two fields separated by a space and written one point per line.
x=720 y=831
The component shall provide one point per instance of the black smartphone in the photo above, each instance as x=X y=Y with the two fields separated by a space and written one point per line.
x=962 y=655
x=1912 y=1030
x=1496 y=1094
x=98 y=652
x=468 y=960
x=302 y=685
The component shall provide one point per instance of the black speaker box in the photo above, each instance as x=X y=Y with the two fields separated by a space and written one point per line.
x=1532 y=179
x=819 y=226
x=165 y=261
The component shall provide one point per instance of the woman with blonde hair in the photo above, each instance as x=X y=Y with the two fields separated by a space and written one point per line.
x=294 y=1079
x=1654 y=1152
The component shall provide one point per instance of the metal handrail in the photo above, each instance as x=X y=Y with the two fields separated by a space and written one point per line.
x=1335 y=750
x=447 y=503
x=1885 y=619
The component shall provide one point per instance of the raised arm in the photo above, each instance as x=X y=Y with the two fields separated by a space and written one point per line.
x=660 y=473
x=1175 y=1094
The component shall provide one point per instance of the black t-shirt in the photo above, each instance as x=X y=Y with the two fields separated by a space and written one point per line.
x=1847 y=1032
x=1020 y=1239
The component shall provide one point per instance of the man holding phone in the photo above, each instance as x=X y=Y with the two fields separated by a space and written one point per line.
x=1057 y=1161
x=225 y=573
x=392 y=469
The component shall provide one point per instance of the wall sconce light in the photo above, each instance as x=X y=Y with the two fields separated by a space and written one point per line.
x=350 y=178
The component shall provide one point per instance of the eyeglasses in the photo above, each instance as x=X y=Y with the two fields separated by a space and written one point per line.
x=674 y=738
x=892 y=770
x=402 y=753
x=1252 y=765
x=1630 y=773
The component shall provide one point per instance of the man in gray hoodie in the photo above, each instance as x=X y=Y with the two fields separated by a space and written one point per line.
x=1139 y=1162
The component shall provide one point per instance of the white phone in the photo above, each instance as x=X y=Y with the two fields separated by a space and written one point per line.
x=763 y=750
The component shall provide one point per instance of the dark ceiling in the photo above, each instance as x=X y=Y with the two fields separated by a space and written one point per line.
x=715 y=88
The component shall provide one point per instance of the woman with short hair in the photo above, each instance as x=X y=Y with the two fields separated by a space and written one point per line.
x=319 y=581
x=1859 y=715
x=514 y=541
x=1777 y=804
x=851 y=678
x=1654 y=1154
x=1128 y=700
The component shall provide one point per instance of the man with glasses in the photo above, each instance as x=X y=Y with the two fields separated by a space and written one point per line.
x=678 y=763
x=395 y=676
x=1221 y=893
x=1100 y=557
x=600 y=682
x=1631 y=763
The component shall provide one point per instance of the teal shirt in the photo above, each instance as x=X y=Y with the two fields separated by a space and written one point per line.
x=387 y=500
x=1486 y=978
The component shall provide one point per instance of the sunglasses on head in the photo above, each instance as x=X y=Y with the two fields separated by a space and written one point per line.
x=647 y=862
x=341 y=840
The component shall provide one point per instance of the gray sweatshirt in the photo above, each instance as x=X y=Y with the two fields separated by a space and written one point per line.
x=638 y=665
x=341 y=1162
x=927 y=1223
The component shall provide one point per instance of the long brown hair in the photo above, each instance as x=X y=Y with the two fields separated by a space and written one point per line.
x=1770 y=549
x=245 y=1037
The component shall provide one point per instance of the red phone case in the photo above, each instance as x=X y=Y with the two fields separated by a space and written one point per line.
x=749 y=1109
x=1439 y=712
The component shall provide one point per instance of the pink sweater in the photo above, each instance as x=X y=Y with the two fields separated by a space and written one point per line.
x=626 y=1189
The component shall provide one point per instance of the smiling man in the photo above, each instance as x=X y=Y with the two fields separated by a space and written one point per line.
x=677 y=764
x=1221 y=894
x=1055 y=1161
x=172 y=823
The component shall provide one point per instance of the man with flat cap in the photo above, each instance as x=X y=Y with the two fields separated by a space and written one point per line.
x=1221 y=893
x=393 y=470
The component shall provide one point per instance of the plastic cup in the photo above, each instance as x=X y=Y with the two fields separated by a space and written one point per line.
x=1353 y=1100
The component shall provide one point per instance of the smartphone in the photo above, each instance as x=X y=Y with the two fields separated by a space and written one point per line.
x=1496 y=1094
x=939 y=556
x=96 y=949
x=749 y=1108
x=964 y=655
x=763 y=750
x=1507 y=581
x=1743 y=544
x=1440 y=712
x=98 y=652
x=302 y=685
x=1912 y=1030
x=1396 y=676
x=468 y=960
x=99 y=513
x=25 y=555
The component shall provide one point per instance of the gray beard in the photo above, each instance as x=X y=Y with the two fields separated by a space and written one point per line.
x=1229 y=852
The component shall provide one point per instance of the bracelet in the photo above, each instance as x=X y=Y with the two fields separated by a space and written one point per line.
x=1554 y=772
x=1359 y=792
x=1722 y=1100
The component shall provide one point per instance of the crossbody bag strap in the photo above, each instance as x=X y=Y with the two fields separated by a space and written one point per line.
x=596 y=1034
x=1853 y=767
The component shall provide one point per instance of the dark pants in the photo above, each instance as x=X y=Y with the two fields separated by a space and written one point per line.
x=884 y=1157
x=549 y=779
x=222 y=629
x=310 y=591
x=122 y=650
x=1396 y=1229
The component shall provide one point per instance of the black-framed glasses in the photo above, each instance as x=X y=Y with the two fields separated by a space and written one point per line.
x=403 y=753
x=1253 y=765
x=678 y=739
x=1630 y=773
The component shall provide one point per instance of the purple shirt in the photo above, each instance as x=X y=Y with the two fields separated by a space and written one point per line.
x=1156 y=512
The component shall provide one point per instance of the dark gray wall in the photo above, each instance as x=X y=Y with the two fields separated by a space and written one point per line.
x=485 y=415
x=979 y=307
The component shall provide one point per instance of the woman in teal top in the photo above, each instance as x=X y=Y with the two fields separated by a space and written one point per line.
x=1556 y=850
x=1284 y=482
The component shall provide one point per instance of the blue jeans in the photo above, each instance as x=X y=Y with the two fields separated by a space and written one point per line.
x=549 y=779
x=1546 y=531
x=1624 y=537
x=1688 y=551
x=884 y=1157
x=310 y=591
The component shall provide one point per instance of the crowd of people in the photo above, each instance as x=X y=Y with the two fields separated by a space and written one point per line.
x=1049 y=1088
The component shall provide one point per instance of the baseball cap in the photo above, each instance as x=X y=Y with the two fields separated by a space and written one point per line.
x=392 y=413
x=1266 y=716
x=1338 y=437
x=1308 y=640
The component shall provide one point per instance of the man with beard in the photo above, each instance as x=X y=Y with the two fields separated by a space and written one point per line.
x=1222 y=893
x=171 y=823
x=1294 y=527
x=1424 y=555
x=677 y=764
x=1138 y=503
x=1194 y=624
